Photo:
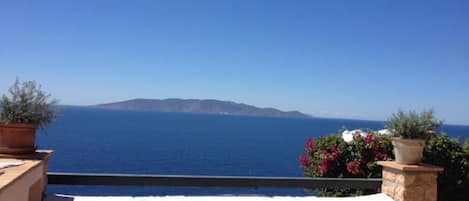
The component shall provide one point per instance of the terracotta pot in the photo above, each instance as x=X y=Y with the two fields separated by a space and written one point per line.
x=408 y=151
x=17 y=138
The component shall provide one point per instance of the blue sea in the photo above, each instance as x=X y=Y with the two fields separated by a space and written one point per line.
x=112 y=141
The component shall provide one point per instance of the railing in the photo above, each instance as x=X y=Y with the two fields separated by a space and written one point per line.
x=219 y=181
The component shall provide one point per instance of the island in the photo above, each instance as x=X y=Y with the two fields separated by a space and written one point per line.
x=209 y=106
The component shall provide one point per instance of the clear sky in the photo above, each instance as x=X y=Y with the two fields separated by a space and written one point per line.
x=350 y=59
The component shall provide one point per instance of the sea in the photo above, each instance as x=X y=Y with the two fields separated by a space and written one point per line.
x=92 y=140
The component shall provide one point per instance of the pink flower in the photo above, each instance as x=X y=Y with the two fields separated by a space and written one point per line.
x=310 y=145
x=334 y=156
x=383 y=156
x=304 y=161
x=353 y=167
x=335 y=153
x=333 y=148
x=379 y=155
x=325 y=153
x=368 y=138
x=324 y=166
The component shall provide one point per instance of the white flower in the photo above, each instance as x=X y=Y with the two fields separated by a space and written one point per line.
x=384 y=132
x=363 y=134
x=348 y=135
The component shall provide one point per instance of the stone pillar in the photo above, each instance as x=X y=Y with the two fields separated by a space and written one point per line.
x=410 y=182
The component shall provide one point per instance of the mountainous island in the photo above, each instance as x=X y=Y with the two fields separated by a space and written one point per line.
x=200 y=106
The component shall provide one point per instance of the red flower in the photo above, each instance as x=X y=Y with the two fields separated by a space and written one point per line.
x=334 y=156
x=325 y=153
x=363 y=160
x=368 y=138
x=335 y=153
x=324 y=166
x=333 y=148
x=310 y=145
x=353 y=167
x=383 y=156
x=304 y=160
x=379 y=155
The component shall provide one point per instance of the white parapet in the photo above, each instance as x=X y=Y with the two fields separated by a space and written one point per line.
x=375 y=197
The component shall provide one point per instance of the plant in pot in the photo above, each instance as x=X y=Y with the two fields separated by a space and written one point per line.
x=410 y=131
x=26 y=109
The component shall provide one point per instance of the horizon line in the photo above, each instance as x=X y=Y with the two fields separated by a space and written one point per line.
x=311 y=116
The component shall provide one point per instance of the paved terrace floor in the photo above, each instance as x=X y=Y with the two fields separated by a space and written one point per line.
x=56 y=197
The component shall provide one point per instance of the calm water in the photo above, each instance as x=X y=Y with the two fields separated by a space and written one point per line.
x=108 y=141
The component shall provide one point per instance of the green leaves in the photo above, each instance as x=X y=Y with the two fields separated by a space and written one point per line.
x=440 y=150
x=448 y=153
x=331 y=156
x=27 y=103
x=466 y=145
x=413 y=125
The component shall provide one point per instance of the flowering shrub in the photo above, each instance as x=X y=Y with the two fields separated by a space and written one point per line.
x=355 y=153
x=332 y=156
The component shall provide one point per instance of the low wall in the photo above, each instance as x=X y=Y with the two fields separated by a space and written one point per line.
x=26 y=182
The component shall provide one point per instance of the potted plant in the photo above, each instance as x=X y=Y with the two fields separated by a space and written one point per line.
x=26 y=109
x=410 y=130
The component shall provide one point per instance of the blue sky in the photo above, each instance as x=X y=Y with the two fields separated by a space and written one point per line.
x=350 y=59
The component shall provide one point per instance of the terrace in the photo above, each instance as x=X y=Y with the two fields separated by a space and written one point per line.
x=28 y=182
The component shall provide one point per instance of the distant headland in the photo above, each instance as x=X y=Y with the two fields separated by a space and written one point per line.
x=200 y=106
